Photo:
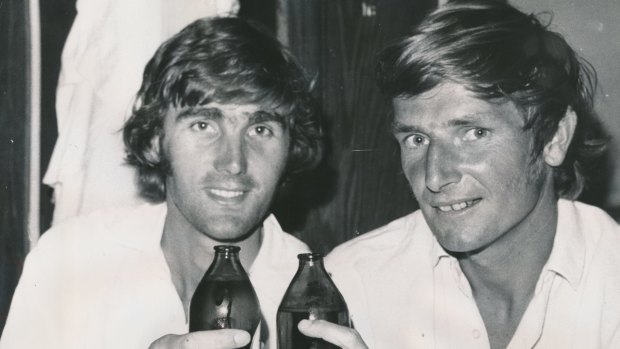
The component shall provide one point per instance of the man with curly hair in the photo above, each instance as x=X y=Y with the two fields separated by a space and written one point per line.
x=224 y=116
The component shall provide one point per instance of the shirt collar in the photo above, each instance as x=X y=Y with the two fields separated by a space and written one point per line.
x=567 y=257
x=437 y=253
x=270 y=227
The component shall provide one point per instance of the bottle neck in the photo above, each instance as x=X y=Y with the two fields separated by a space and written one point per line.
x=226 y=263
x=311 y=265
x=312 y=288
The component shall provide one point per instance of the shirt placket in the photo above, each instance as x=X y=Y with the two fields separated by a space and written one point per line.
x=530 y=327
x=458 y=321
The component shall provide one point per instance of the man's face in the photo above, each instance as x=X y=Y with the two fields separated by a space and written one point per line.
x=469 y=164
x=226 y=162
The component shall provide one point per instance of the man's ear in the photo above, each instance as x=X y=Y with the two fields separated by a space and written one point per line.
x=152 y=155
x=555 y=151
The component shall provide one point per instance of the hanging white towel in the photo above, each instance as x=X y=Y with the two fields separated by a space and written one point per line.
x=108 y=46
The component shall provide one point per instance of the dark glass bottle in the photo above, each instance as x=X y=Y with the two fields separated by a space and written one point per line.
x=311 y=295
x=225 y=297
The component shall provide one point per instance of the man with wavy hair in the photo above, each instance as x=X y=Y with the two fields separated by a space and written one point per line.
x=493 y=115
x=223 y=117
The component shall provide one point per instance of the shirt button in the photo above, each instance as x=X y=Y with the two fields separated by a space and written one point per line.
x=476 y=334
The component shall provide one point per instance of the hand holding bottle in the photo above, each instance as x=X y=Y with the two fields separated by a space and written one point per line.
x=342 y=336
x=214 y=339
x=313 y=300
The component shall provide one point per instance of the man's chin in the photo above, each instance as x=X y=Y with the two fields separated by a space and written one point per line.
x=465 y=241
x=229 y=230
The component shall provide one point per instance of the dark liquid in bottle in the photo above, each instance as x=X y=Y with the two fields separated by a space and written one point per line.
x=224 y=304
x=291 y=338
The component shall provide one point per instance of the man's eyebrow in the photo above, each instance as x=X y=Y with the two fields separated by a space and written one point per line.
x=209 y=113
x=469 y=119
x=398 y=127
x=264 y=116
x=464 y=120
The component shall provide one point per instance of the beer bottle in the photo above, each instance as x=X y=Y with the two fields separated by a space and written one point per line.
x=225 y=297
x=311 y=295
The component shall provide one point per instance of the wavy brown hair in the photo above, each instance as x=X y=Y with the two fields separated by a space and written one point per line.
x=224 y=60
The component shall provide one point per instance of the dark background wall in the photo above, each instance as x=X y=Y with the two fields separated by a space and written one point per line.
x=56 y=19
x=360 y=186
x=14 y=74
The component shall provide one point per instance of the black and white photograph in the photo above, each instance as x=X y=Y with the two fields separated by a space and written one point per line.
x=309 y=174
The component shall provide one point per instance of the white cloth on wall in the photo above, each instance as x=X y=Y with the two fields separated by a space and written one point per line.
x=108 y=46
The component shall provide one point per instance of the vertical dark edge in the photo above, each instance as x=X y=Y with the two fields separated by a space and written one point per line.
x=14 y=99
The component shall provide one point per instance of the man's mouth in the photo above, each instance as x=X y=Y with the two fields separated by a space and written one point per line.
x=228 y=194
x=459 y=206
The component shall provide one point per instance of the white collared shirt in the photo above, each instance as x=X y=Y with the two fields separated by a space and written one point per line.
x=404 y=291
x=101 y=281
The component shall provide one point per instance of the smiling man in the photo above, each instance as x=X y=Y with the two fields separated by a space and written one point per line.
x=493 y=115
x=223 y=117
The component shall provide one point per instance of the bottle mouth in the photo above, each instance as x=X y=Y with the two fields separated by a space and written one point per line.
x=310 y=256
x=226 y=248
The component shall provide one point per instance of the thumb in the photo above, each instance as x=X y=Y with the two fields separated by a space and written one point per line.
x=344 y=337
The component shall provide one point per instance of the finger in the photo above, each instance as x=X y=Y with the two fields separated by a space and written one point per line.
x=344 y=337
x=217 y=339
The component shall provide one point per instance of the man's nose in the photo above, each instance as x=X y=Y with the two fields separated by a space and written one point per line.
x=231 y=157
x=442 y=167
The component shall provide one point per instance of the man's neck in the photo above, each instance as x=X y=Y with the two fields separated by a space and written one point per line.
x=503 y=276
x=189 y=253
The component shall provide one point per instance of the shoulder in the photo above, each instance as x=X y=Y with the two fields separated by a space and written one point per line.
x=587 y=215
x=600 y=278
x=279 y=239
x=78 y=248
x=124 y=225
x=596 y=228
x=78 y=268
x=602 y=235
x=95 y=249
x=593 y=228
x=599 y=237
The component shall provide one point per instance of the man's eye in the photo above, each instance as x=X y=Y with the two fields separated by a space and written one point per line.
x=476 y=133
x=202 y=126
x=415 y=141
x=261 y=131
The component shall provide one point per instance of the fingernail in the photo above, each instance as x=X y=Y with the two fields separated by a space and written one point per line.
x=242 y=338
x=303 y=324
